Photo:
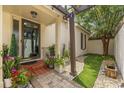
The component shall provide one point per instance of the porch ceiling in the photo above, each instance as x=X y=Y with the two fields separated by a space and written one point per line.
x=44 y=16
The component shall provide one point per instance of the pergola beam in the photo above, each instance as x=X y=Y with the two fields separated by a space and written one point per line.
x=78 y=8
x=61 y=9
x=81 y=8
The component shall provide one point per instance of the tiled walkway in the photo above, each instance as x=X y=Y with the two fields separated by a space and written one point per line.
x=52 y=80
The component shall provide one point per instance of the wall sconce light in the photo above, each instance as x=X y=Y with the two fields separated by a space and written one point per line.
x=34 y=14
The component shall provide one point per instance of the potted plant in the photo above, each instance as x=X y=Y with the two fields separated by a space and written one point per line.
x=13 y=47
x=17 y=62
x=50 y=62
x=66 y=56
x=111 y=71
x=21 y=78
x=59 y=64
x=8 y=64
x=52 y=50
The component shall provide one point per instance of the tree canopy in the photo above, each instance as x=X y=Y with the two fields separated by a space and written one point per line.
x=101 y=20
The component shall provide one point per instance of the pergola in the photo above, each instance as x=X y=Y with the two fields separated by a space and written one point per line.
x=70 y=11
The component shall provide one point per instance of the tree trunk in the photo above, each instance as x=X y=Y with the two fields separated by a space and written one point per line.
x=105 y=42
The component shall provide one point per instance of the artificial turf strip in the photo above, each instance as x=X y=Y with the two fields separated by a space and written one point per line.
x=90 y=71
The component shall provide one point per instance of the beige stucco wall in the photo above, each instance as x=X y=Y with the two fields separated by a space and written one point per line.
x=95 y=46
x=7 y=29
x=78 y=32
x=50 y=35
x=47 y=31
x=65 y=37
x=119 y=50
x=1 y=30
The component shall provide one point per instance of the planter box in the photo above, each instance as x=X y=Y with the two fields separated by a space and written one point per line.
x=8 y=82
x=59 y=69
x=111 y=72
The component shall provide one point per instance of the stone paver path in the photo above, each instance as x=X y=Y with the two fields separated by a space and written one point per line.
x=106 y=82
x=52 y=80
x=66 y=73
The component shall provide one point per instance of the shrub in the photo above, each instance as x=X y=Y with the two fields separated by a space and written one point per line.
x=13 y=48
x=66 y=54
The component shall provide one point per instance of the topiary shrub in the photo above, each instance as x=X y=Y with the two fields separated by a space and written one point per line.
x=13 y=46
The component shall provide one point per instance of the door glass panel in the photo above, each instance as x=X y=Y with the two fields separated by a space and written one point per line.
x=31 y=43
x=16 y=32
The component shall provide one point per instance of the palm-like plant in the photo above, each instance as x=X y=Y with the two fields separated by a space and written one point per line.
x=8 y=65
x=102 y=21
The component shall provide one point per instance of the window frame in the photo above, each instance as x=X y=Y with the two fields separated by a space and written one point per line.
x=83 y=38
x=81 y=41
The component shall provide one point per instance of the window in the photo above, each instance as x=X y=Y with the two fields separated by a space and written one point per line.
x=16 y=33
x=83 y=41
x=85 y=38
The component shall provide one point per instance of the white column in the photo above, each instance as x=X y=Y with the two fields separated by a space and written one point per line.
x=43 y=29
x=58 y=37
x=1 y=74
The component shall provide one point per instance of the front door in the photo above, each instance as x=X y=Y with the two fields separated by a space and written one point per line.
x=30 y=39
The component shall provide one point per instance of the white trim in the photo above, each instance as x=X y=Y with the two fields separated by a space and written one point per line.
x=29 y=60
x=83 y=29
x=1 y=42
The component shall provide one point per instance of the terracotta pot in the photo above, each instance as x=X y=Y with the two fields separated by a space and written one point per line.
x=8 y=82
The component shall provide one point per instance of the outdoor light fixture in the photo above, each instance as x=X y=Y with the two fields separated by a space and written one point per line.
x=34 y=14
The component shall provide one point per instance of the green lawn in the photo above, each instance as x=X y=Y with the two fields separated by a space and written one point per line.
x=88 y=76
